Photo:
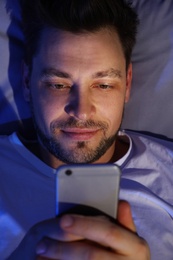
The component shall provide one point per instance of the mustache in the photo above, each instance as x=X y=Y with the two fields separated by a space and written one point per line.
x=73 y=123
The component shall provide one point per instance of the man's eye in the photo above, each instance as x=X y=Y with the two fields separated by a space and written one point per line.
x=58 y=86
x=104 y=86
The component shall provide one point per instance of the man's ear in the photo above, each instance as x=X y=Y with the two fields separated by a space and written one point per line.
x=128 y=82
x=26 y=82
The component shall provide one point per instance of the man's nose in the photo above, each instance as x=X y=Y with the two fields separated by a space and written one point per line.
x=80 y=104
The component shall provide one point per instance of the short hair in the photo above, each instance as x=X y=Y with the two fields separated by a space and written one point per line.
x=78 y=16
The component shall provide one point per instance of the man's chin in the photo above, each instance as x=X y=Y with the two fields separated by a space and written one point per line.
x=79 y=155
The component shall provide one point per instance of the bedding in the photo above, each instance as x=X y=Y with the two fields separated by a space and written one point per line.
x=151 y=104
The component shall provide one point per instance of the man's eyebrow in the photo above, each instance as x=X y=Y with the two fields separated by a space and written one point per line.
x=49 y=72
x=113 y=73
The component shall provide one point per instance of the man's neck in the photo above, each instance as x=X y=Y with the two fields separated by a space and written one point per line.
x=121 y=147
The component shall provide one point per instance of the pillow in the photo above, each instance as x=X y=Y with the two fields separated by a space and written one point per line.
x=13 y=108
x=151 y=105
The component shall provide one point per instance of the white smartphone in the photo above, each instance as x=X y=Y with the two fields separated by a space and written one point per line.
x=93 y=185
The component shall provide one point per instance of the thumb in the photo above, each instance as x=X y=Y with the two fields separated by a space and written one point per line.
x=124 y=216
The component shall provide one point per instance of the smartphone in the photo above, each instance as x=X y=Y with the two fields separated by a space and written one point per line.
x=93 y=185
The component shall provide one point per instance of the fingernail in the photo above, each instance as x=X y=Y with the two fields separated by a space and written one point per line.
x=41 y=248
x=67 y=221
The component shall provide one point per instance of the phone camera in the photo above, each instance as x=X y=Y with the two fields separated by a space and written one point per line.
x=68 y=172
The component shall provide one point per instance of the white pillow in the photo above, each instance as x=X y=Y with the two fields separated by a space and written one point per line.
x=151 y=104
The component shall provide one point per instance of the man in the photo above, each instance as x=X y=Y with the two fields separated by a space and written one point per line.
x=77 y=78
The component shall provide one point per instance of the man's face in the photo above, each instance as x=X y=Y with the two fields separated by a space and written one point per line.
x=77 y=90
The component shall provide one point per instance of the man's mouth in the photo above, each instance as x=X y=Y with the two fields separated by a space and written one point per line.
x=80 y=134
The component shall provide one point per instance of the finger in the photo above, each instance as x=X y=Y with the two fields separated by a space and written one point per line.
x=50 y=228
x=75 y=250
x=124 y=216
x=103 y=232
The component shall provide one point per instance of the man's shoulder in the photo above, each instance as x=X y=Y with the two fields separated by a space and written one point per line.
x=149 y=138
x=9 y=144
x=7 y=150
x=147 y=149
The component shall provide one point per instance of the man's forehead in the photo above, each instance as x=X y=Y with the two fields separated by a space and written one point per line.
x=58 y=57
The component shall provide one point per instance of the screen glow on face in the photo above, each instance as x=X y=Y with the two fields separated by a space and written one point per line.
x=77 y=94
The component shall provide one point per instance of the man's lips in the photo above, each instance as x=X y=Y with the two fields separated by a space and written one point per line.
x=81 y=134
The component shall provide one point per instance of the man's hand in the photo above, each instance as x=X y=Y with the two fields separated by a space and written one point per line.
x=80 y=237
